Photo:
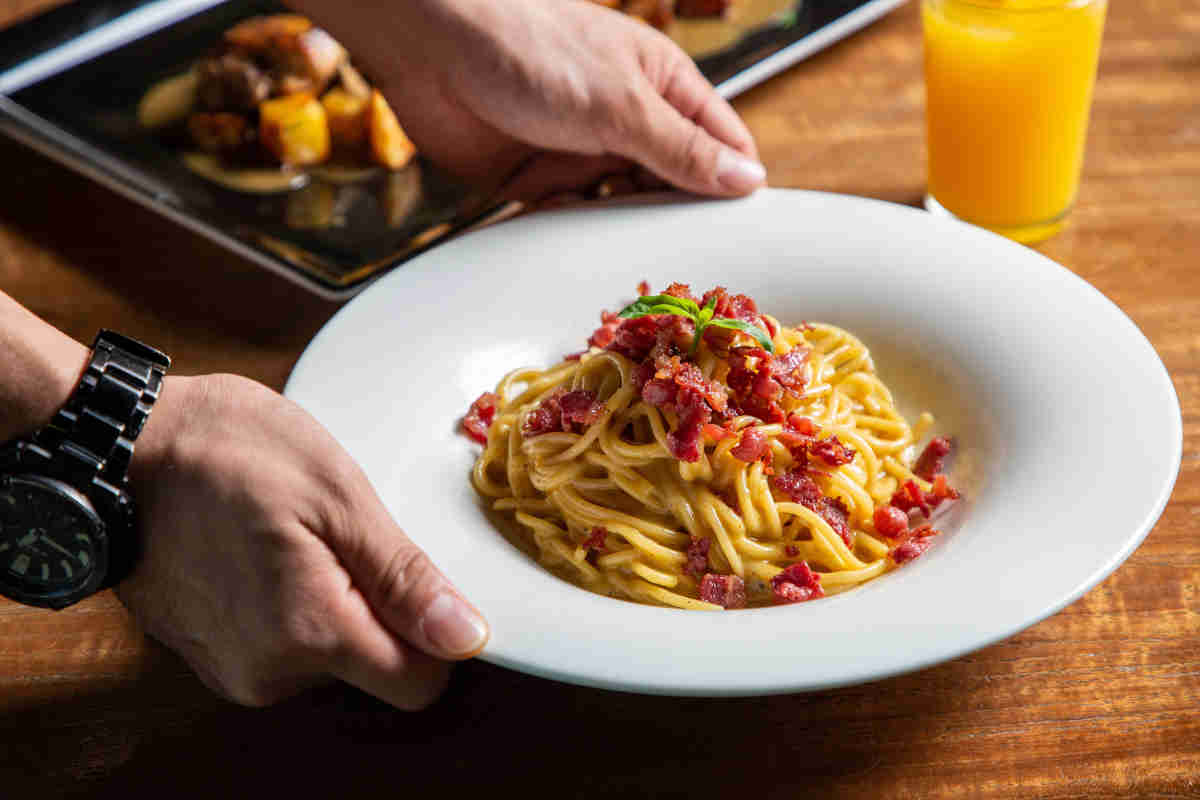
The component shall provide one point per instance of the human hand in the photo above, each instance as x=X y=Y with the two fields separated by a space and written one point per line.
x=549 y=94
x=269 y=562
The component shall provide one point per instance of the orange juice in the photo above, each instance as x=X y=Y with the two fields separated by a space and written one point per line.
x=1008 y=88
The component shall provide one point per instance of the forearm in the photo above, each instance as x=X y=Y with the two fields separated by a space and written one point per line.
x=39 y=366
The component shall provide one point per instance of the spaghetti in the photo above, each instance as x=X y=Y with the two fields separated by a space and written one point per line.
x=746 y=464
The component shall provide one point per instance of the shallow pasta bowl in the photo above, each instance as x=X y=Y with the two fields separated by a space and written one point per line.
x=1067 y=423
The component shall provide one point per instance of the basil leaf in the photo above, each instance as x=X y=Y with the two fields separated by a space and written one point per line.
x=665 y=309
x=660 y=304
x=706 y=313
x=745 y=327
x=635 y=309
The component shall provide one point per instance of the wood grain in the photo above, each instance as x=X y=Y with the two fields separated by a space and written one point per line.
x=1099 y=700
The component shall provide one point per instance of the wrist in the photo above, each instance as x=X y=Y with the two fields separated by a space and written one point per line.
x=152 y=450
x=41 y=366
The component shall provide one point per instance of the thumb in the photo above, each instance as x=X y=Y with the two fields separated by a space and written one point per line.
x=690 y=137
x=411 y=596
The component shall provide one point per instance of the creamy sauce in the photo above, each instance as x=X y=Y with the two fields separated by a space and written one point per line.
x=266 y=180
x=703 y=37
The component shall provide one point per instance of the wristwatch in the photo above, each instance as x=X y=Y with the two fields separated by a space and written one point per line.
x=66 y=520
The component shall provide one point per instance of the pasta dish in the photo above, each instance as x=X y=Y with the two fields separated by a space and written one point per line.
x=699 y=454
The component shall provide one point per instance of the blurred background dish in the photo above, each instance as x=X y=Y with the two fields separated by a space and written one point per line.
x=93 y=82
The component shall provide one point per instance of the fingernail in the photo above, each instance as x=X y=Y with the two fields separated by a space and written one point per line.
x=736 y=173
x=453 y=626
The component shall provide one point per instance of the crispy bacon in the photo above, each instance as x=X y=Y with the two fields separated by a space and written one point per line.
x=563 y=411
x=727 y=591
x=831 y=451
x=607 y=331
x=910 y=495
x=643 y=289
x=480 y=416
x=546 y=418
x=595 y=540
x=694 y=414
x=580 y=407
x=890 y=522
x=752 y=446
x=797 y=583
x=697 y=557
x=788 y=369
x=799 y=487
x=716 y=433
x=834 y=511
x=680 y=290
x=801 y=425
x=933 y=458
x=913 y=544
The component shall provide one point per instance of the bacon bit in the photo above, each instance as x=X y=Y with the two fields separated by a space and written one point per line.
x=684 y=441
x=890 y=522
x=574 y=356
x=581 y=407
x=802 y=489
x=480 y=416
x=788 y=369
x=697 y=557
x=755 y=391
x=801 y=425
x=595 y=540
x=715 y=433
x=791 y=551
x=751 y=447
x=643 y=289
x=680 y=290
x=941 y=490
x=910 y=496
x=832 y=451
x=834 y=511
x=546 y=418
x=933 y=458
x=738 y=306
x=727 y=591
x=916 y=542
x=799 y=487
x=607 y=331
x=796 y=584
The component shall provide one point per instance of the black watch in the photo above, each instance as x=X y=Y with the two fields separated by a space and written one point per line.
x=66 y=521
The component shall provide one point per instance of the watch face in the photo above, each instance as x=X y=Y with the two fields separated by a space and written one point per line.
x=52 y=545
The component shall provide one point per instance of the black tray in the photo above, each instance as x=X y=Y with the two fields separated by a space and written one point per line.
x=70 y=81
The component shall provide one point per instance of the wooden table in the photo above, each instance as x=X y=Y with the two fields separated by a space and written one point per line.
x=1099 y=700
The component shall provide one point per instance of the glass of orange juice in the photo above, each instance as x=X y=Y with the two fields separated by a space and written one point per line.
x=1008 y=88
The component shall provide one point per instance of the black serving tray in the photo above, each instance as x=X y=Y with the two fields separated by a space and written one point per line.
x=71 y=79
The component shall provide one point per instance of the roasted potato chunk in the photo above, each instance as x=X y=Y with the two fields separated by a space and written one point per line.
x=390 y=145
x=294 y=129
x=347 y=116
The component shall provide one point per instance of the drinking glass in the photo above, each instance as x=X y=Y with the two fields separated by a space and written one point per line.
x=1008 y=90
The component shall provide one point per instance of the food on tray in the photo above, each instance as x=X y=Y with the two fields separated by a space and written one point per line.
x=277 y=92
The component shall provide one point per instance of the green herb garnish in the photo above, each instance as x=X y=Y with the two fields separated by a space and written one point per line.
x=702 y=317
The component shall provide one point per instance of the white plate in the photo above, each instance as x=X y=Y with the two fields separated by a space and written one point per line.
x=1068 y=425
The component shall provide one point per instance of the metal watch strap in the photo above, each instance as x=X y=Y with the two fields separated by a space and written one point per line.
x=91 y=438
